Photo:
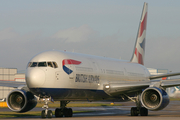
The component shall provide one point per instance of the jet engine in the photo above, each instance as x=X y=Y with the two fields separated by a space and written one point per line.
x=154 y=98
x=20 y=100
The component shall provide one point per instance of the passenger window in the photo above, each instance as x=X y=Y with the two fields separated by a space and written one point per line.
x=34 y=64
x=42 y=64
x=55 y=65
x=50 y=64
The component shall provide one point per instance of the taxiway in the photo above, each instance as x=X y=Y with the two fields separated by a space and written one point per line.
x=171 y=112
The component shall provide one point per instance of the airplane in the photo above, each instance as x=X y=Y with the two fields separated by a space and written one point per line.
x=65 y=76
x=173 y=92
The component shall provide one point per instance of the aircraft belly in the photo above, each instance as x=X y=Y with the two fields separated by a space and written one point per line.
x=70 y=94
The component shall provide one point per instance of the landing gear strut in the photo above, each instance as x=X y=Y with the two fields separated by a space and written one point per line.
x=46 y=113
x=135 y=111
x=63 y=111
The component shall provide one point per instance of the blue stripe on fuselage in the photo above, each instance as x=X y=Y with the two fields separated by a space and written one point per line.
x=67 y=70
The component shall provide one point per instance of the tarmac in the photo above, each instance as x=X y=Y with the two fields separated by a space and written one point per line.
x=171 y=112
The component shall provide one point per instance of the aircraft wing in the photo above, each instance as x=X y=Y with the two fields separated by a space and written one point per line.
x=127 y=87
x=170 y=83
x=163 y=75
x=114 y=89
x=13 y=84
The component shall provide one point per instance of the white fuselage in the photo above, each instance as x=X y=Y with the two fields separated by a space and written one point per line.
x=76 y=75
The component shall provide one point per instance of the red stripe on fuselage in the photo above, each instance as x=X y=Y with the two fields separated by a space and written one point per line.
x=143 y=25
x=70 y=61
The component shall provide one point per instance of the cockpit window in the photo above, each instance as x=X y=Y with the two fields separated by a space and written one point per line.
x=42 y=64
x=34 y=64
x=50 y=64
x=29 y=64
x=55 y=65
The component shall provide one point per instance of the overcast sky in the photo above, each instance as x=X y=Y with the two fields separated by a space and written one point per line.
x=97 y=27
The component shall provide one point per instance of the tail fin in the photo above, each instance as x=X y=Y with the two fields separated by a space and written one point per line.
x=139 y=49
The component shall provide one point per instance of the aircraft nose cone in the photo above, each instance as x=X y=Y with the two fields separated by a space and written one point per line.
x=35 y=77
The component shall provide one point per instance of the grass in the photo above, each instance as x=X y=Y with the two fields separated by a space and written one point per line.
x=55 y=105
x=174 y=99
x=78 y=104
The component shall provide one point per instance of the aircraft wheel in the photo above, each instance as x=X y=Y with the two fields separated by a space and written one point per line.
x=143 y=111
x=58 y=113
x=43 y=114
x=134 y=111
x=68 y=112
x=49 y=114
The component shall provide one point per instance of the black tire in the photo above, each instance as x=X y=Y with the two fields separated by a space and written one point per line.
x=49 y=114
x=58 y=112
x=43 y=114
x=143 y=111
x=134 y=111
x=65 y=111
x=70 y=112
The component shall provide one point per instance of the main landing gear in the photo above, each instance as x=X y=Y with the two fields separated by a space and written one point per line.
x=135 y=111
x=63 y=111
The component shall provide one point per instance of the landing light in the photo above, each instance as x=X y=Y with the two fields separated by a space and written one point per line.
x=107 y=86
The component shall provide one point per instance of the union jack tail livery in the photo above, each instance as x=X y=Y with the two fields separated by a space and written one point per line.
x=139 y=49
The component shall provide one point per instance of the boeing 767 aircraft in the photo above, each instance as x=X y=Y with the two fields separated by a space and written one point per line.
x=65 y=76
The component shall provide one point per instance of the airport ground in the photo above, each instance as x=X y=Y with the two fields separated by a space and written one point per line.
x=171 y=112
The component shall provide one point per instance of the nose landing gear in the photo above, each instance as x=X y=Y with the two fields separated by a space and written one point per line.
x=59 y=112
x=46 y=113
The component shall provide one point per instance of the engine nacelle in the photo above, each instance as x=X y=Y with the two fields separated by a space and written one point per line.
x=154 y=98
x=20 y=100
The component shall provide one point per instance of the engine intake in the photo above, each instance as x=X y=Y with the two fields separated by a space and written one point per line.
x=154 y=98
x=20 y=100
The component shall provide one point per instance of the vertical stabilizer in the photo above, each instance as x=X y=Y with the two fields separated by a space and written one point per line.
x=139 y=49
